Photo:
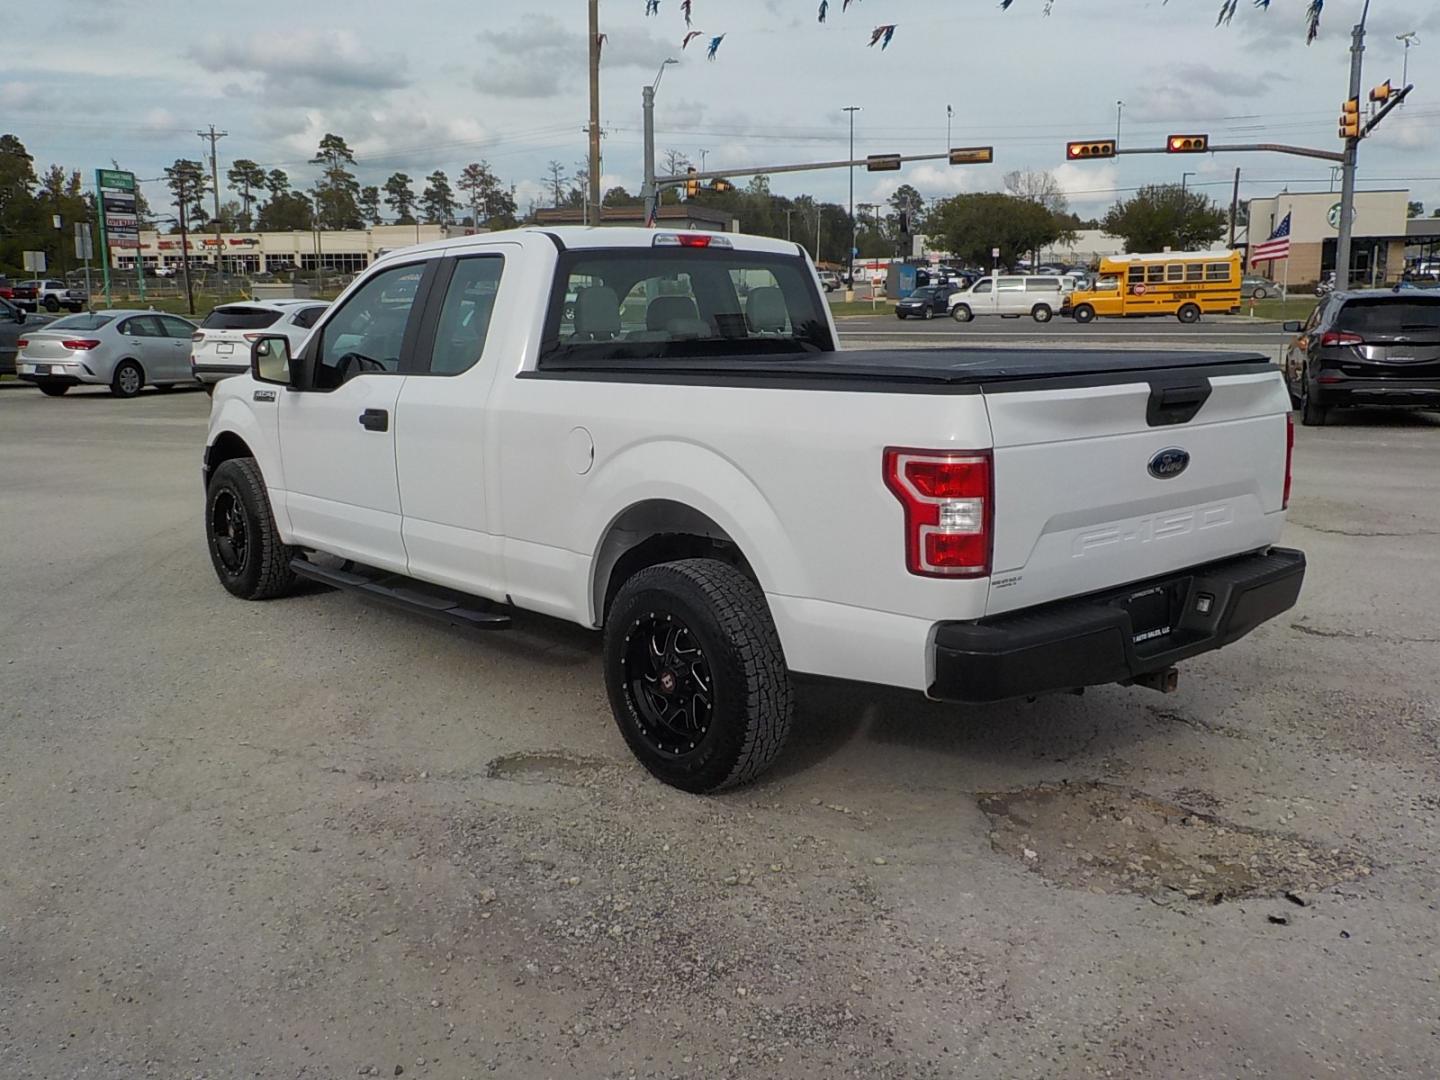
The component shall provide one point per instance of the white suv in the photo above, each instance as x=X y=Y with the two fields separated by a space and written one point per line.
x=221 y=347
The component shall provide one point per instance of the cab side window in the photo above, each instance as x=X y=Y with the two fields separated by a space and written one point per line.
x=305 y=318
x=366 y=335
x=464 y=322
x=982 y=286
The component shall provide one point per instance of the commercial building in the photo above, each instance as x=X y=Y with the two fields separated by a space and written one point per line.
x=344 y=251
x=1377 y=247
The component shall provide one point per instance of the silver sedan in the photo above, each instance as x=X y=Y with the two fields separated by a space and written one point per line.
x=122 y=349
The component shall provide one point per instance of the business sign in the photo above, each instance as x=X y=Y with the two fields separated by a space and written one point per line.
x=119 y=225
x=34 y=262
x=83 y=245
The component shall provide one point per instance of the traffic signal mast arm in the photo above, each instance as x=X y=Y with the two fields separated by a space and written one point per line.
x=1394 y=98
x=886 y=163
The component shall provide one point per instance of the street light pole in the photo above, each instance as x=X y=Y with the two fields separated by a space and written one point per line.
x=1409 y=38
x=649 y=192
x=1184 y=176
x=1347 y=167
x=854 y=228
x=1119 y=111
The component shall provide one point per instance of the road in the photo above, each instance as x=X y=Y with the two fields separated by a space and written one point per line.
x=319 y=838
x=885 y=331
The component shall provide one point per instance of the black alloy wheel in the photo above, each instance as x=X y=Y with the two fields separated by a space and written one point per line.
x=669 y=681
x=229 y=532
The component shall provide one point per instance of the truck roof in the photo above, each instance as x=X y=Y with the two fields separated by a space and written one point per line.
x=580 y=237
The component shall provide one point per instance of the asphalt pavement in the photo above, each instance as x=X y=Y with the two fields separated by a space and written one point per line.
x=317 y=837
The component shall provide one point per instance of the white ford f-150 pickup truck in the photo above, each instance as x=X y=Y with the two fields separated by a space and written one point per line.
x=654 y=434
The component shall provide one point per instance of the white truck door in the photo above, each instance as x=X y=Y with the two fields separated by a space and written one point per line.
x=337 y=438
x=450 y=532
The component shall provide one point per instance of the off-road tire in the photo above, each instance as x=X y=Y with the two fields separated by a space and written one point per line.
x=751 y=700
x=265 y=571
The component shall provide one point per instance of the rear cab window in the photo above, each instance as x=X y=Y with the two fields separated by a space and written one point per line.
x=240 y=317
x=676 y=302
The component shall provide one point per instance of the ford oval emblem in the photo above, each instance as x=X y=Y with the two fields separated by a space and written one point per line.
x=1169 y=463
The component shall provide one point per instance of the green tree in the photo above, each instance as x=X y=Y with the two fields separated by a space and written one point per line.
x=909 y=200
x=19 y=211
x=370 y=204
x=555 y=179
x=483 y=192
x=618 y=196
x=400 y=197
x=437 y=201
x=248 y=179
x=1414 y=209
x=277 y=182
x=285 y=212
x=337 y=192
x=1161 y=216
x=188 y=181
x=971 y=225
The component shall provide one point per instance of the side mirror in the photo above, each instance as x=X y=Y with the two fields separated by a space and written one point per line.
x=20 y=315
x=270 y=359
x=1292 y=328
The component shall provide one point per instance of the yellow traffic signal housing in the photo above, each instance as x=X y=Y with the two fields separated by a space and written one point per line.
x=1381 y=93
x=1095 y=148
x=1187 y=144
x=972 y=155
x=1350 y=119
x=722 y=186
x=692 y=185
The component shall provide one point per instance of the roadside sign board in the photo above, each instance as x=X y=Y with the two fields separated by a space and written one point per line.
x=120 y=226
x=35 y=262
x=83 y=246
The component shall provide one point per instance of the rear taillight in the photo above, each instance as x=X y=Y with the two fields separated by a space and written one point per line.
x=198 y=335
x=81 y=344
x=22 y=343
x=948 y=496
x=253 y=337
x=1289 y=458
x=1340 y=337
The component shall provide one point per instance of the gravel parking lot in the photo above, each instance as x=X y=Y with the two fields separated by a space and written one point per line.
x=319 y=838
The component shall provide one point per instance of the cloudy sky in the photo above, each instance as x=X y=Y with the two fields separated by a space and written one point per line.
x=438 y=83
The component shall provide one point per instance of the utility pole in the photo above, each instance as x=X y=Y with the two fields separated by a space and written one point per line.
x=703 y=154
x=214 y=137
x=949 y=119
x=787 y=223
x=1184 y=178
x=854 y=225
x=1119 y=111
x=592 y=201
x=183 y=197
x=1234 y=207
x=1347 y=167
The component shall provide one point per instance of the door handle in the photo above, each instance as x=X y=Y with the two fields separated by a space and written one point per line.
x=375 y=420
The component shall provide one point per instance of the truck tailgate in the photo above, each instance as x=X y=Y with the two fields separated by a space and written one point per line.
x=1101 y=485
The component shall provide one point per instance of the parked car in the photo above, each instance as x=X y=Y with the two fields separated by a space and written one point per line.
x=13 y=323
x=924 y=303
x=7 y=288
x=1256 y=288
x=676 y=468
x=122 y=349
x=221 y=347
x=1010 y=297
x=830 y=280
x=50 y=294
x=1365 y=347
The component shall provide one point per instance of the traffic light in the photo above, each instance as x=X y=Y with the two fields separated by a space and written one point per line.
x=1350 y=119
x=721 y=186
x=1381 y=93
x=692 y=185
x=972 y=155
x=1187 y=144
x=1095 y=148
x=882 y=163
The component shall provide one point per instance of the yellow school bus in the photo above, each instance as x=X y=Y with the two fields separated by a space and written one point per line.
x=1185 y=284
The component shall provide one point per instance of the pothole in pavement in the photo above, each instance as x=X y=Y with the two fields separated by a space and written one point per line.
x=540 y=767
x=1109 y=839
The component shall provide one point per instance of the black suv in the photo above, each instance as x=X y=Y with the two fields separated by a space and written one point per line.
x=1368 y=347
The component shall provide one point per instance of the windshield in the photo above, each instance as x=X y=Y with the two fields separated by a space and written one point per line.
x=88 y=321
x=1391 y=315
x=647 y=303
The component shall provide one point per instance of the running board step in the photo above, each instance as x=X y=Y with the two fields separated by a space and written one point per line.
x=455 y=608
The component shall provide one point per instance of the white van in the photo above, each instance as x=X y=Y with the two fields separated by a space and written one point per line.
x=1035 y=295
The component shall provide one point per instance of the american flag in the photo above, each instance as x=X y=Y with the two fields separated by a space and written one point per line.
x=1277 y=247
